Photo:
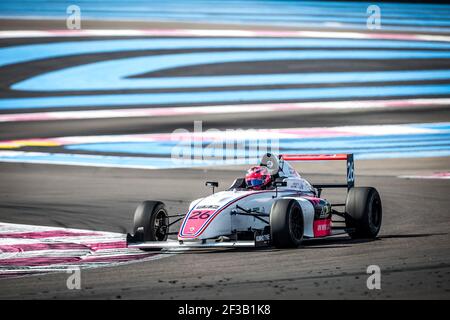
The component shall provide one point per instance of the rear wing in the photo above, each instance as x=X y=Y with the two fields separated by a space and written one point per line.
x=327 y=157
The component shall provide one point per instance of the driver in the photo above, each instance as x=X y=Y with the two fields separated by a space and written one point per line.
x=258 y=178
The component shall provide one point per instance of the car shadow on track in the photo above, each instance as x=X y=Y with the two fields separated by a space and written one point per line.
x=346 y=241
x=414 y=235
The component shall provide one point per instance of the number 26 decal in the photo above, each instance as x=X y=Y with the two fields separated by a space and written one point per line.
x=201 y=214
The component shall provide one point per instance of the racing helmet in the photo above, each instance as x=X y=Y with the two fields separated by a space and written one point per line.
x=257 y=177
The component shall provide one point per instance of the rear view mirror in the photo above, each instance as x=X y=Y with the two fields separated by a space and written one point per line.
x=212 y=184
x=280 y=183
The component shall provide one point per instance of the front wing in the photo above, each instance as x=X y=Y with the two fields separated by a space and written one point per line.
x=259 y=241
x=179 y=245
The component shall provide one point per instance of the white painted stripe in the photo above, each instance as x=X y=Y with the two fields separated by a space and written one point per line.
x=69 y=253
x=224 y=109
x=146 y=163
x=10 y=157
x=368 y=130
x=436 y=175
x=21 y=228
x=383 y=130
x=102 y=238
x=213 y=33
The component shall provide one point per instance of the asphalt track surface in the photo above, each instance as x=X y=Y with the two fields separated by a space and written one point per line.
x=412 y=249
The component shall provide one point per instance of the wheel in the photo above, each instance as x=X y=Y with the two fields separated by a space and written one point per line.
x=364 y=212
x=286 y=223
x=151 y=221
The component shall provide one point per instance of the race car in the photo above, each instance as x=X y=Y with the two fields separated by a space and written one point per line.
x=282 y=213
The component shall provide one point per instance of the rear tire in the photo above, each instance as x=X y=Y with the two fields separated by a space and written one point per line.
x=286 y=223
x=364 y=212
x=151 y=221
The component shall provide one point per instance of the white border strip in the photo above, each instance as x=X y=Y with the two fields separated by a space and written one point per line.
x=213 y=33
x=437 y=175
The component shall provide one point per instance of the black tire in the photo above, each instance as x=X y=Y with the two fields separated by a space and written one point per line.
x=364 y=212
x=151 y=221
x=286 y=223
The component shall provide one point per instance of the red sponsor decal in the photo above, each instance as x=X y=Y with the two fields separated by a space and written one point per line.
x=322 y=227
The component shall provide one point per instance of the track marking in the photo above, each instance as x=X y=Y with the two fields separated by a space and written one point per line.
x=63 y=33
x=366 y=142
x=345 y=15
x=245 y=96
x=32 y=52
x=28 y=143
x=117 y=74
x=223 y=109
x=436 y=175
x=122 y=68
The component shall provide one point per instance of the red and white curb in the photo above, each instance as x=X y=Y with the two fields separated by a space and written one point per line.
x=30 y=250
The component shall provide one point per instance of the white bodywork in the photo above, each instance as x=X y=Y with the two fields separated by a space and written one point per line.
x=214 y=216
x=222 y=221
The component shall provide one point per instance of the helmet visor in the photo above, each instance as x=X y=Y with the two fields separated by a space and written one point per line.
x=255 y=182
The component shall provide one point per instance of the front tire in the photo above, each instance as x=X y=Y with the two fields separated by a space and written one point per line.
x=151 y=221
x=286 y=223
x=364 y=212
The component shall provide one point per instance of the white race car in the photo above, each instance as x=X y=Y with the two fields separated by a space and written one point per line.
x=282 y=214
